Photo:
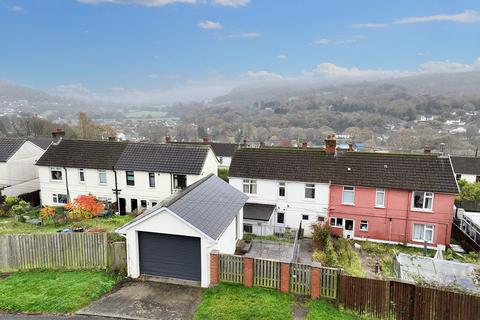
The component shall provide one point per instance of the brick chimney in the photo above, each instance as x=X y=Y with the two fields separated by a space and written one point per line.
x=350 y=147
x=168 y=139
x=205 y=140
x=57 y=135
x=330 y=144
x=427 y=150
x=244 y=143
x=112 y=139
x=304 y=145
x=262 y=144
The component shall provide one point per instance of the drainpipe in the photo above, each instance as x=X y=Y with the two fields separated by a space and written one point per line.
x=66 y=184
x=116 y=191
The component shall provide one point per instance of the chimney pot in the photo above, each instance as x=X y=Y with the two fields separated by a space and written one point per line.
x=330 y=144
x=205 y=140
x=427 y=150
x=304 y=145
x=57 y=135
x=168 y=139
x=350 y=147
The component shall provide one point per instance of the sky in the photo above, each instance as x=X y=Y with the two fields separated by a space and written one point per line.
x=184 y=50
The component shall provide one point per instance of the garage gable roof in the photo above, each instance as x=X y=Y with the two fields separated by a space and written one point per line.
x=209 y=205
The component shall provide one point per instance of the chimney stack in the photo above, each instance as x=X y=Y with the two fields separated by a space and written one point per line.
x=244 y=143
x=168 y=139
x=57 y=135
x=262 y=144
x=427 y=150
x=330 y=144
x=304 y=145
x=350 y=147
x=112 y=138
x=205 y=140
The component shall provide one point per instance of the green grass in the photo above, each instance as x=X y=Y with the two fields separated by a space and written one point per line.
x=232 y=302
x=223 y=173
x=10 y=226
x=324 y=310
x=53 y=291
x=339 y=253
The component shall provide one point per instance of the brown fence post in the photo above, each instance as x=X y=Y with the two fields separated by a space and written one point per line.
x=315 y=281
x=214 y=267
x=285 y=276
x=248 y=272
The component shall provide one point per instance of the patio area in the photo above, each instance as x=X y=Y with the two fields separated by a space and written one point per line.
x=273 y=250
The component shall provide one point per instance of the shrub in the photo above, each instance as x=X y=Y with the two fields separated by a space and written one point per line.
x=321 y=232
x=22 y=208
x=10 y=201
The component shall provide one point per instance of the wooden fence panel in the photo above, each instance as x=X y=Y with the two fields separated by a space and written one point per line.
x=300 y=278
x=117 y=257
x=266 y=273
x=53 y=251
x=231 y=268
x=329 y=282
x=402 y=300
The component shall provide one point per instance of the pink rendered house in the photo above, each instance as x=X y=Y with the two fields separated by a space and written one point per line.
x=393 y=215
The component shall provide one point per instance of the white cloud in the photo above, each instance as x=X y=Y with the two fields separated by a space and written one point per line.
x=468 y=16
x=369 y=25
x=447 y=66
x=153 y=76
x=245 y=35
x=327 y=42
x=74 y=90
x=282 y=56
x=15 y=8
x=146 y=3
x=332 y=70
x=209 y=25
x=231 y=3
x=262 y=75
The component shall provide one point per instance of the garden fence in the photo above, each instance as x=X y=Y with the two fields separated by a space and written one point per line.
x=60 y=251
x=300 y=276
x=231 y=268
x=266 y=273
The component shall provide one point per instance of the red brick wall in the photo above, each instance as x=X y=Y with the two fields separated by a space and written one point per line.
x=315 y=283
x=248 y=272
x=284 y=277
x=214 y=265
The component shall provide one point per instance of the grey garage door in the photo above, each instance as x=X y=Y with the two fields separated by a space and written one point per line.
x=170 y=256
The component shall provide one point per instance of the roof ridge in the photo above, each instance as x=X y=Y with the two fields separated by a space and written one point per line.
x=177 y=196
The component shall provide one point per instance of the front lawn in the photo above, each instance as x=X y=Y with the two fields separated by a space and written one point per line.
x=324 y=310
x=53 y=291
x=10 y=226
x=232 y=302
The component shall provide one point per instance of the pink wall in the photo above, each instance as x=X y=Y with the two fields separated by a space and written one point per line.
x=395 y=221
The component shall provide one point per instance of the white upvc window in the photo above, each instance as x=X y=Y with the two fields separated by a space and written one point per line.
x=422 y=201
x=348 y=195
x=56 y=174
x=336 y=222
x=59 y=198
x=81 y=175
x=309 y=191
x=102 y=176
x=282 y=189
x=250 y=186
x=423 y=232
x=380 y=198
x=363 y=225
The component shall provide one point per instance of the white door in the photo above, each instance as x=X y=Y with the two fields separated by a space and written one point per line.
x=349 y=229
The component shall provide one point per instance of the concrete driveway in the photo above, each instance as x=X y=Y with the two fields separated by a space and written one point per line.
x=147 y=300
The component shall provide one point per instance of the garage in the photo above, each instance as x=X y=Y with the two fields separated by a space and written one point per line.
x=172 y=241
x=170 y=256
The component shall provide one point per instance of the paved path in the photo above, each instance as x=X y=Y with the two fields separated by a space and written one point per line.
x=44 y=317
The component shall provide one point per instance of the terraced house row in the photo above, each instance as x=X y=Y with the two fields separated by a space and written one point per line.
x=398 y=198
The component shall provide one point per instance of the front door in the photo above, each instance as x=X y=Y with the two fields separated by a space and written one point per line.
x=123 y=206
x=349 y=229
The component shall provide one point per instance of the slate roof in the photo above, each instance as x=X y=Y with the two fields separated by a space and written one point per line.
x=221 y=149
x=174 y=158
x=42 y=142
x=86 y=154
x=466 y=165
x=8 y=147
x=385 y=170
x=257 y=211
x=209 y=205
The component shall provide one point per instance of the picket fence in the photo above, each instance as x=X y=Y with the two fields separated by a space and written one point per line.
x=60 y=251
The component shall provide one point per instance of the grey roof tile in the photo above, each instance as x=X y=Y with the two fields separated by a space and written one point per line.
x=8 y=147
x=466 y=165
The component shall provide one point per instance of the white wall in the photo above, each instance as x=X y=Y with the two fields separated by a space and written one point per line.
x=224 y=161
x=294 y=204
x=469 y=178
x=164 y=222
x=21 y=166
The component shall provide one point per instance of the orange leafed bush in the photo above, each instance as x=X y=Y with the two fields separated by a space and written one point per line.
x=47 y=212
x=84 y=207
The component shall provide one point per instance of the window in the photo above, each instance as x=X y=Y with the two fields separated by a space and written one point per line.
x=247 y=228
x=130 y=178
x=336 y=222
x=81 y=175
x=422 y=200
x=380 y=198
x=281 y=189
x=56 y=174
x=250 y=186
x=423 y=232
x=179 y=181
x=143 y=203
x=364 y=225
x=309 y=191
x=102 y=176
x=477 y=179
x=348 y=195
x=153 y=203
x=151 y=179
x=305 y=216
x=280 y=217
x=59 y=198
x=458 y=176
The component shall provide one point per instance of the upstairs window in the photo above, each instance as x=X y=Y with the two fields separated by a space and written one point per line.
x=310 y=191
x=81 y=175
x=179 y=181
x=380 y=198
x=130 y=178
x=422 y=200
x=151 y=180
x=102 y=176
x=281 y=189
x=348 y=195
x=250 y=186
x=56 y=174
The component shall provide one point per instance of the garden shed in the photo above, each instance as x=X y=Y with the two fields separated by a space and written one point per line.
x=172 y=241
